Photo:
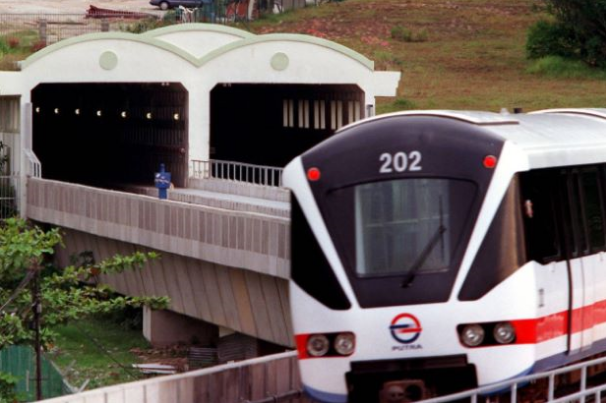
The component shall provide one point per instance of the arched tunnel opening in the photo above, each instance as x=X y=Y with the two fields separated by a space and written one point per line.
x=270 y=124
x=111 y=134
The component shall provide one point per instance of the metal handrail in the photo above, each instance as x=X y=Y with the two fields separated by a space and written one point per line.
x=238 y=172
x=34 y=165
x=512 y=386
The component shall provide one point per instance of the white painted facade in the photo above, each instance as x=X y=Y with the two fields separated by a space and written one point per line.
x=199 y=56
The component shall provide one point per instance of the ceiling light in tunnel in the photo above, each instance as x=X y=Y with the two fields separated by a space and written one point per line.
x=77 y=111
x=99 y=113
x=148 y=115
x=176 y=116
x=56 y=111
x=124 y=114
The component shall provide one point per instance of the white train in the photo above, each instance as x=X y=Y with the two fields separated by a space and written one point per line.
x=435 y=251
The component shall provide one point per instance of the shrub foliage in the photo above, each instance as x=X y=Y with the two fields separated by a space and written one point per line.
x=578 y=31
x=68 y=293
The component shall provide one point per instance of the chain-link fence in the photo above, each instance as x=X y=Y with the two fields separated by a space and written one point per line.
x=36 y=31
x=32 y=32
x=8 y=196
x=19 y=361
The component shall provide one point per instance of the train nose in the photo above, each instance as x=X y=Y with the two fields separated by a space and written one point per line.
x=402 y=391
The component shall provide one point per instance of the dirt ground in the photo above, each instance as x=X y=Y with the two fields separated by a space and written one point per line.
x=72 y=6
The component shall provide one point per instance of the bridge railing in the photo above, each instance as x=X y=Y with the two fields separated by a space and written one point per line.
x=244 y=239
x=581 y=371
x=238 y=172
x=266 y=379
x=33 y=164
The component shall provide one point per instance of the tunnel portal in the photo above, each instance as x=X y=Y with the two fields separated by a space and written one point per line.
x=111 y=134
x=270 y=124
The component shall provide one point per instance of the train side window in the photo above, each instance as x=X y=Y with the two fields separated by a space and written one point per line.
x=578 y=215
x=593 y=206
x=542 y=233
x=563 y=194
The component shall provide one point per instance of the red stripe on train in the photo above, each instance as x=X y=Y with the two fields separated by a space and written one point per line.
x=531 y=331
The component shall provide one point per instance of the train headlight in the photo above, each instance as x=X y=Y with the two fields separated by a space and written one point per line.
x=318 y=345
x=472 y=335
x=504 y=333
x=345 y=343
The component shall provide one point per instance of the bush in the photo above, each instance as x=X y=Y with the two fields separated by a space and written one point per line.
x=404 y=104
x=402 y=34
x=39 y=45
x=144 y=25
x=13 y=42
x=550 y=39
x=4 y=49
x=8 y=383
x=578 y=32
x=559 y=67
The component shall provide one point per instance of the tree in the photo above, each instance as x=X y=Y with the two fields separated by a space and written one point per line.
x=65 y=294
x=578 y=31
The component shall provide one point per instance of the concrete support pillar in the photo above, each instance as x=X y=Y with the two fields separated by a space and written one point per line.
x=164 y=327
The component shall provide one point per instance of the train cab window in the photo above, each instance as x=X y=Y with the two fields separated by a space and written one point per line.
x=408 y=225
x=540 y=212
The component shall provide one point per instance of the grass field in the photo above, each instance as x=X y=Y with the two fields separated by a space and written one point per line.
x=98 y=351
x=453 y=54
x=470 y=53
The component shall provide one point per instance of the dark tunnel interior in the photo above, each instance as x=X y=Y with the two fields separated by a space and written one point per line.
x=270 y=124
x=108 y=134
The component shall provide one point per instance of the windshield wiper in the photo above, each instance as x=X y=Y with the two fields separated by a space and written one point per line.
x=420 y=261
x=412 y=273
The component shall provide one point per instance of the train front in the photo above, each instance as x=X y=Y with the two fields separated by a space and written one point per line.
x=383 y=222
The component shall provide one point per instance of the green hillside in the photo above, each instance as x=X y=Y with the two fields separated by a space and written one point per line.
x=456 y=54
x=460 y=54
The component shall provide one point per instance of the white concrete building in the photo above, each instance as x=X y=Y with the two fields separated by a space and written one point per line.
x=116 y=105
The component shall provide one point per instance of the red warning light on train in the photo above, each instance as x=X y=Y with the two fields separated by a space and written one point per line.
x=490 y=161
x=313 y=174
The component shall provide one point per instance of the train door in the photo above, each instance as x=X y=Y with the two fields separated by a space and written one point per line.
x=590 y=182
x=583 y=214
x=565 y=233
x=545 y=245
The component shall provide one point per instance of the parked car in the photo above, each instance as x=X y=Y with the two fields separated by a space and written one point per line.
x=166 y=4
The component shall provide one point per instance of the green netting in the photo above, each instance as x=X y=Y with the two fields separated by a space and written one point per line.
x=20 y=361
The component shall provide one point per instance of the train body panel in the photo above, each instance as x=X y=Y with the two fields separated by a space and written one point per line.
x=434 y=251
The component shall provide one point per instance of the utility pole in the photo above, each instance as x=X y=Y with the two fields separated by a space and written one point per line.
x=37 y=345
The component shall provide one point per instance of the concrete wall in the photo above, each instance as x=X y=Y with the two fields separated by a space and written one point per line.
x=201 y=56
x=255 y=199
x=246 y=240
x=164 y=327
x=245 y=301
x=254 y=380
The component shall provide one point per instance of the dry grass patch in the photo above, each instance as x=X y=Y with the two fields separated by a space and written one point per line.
x=474 y=56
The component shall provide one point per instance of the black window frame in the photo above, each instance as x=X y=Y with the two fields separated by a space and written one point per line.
x=569 y=206
x=554 y=214
x=599 y=171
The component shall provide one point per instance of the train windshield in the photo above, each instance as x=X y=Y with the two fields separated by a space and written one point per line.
x=404 y=227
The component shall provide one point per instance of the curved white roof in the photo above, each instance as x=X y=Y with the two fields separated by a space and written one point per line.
x=202 y=55
x=554 y=137
x=200 y=43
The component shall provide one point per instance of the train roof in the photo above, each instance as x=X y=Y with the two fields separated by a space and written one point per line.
x=552 y=137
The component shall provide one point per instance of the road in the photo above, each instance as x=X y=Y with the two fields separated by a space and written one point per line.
x=72 y=6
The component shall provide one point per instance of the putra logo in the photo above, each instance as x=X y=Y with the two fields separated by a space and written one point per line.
x=405 y=328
